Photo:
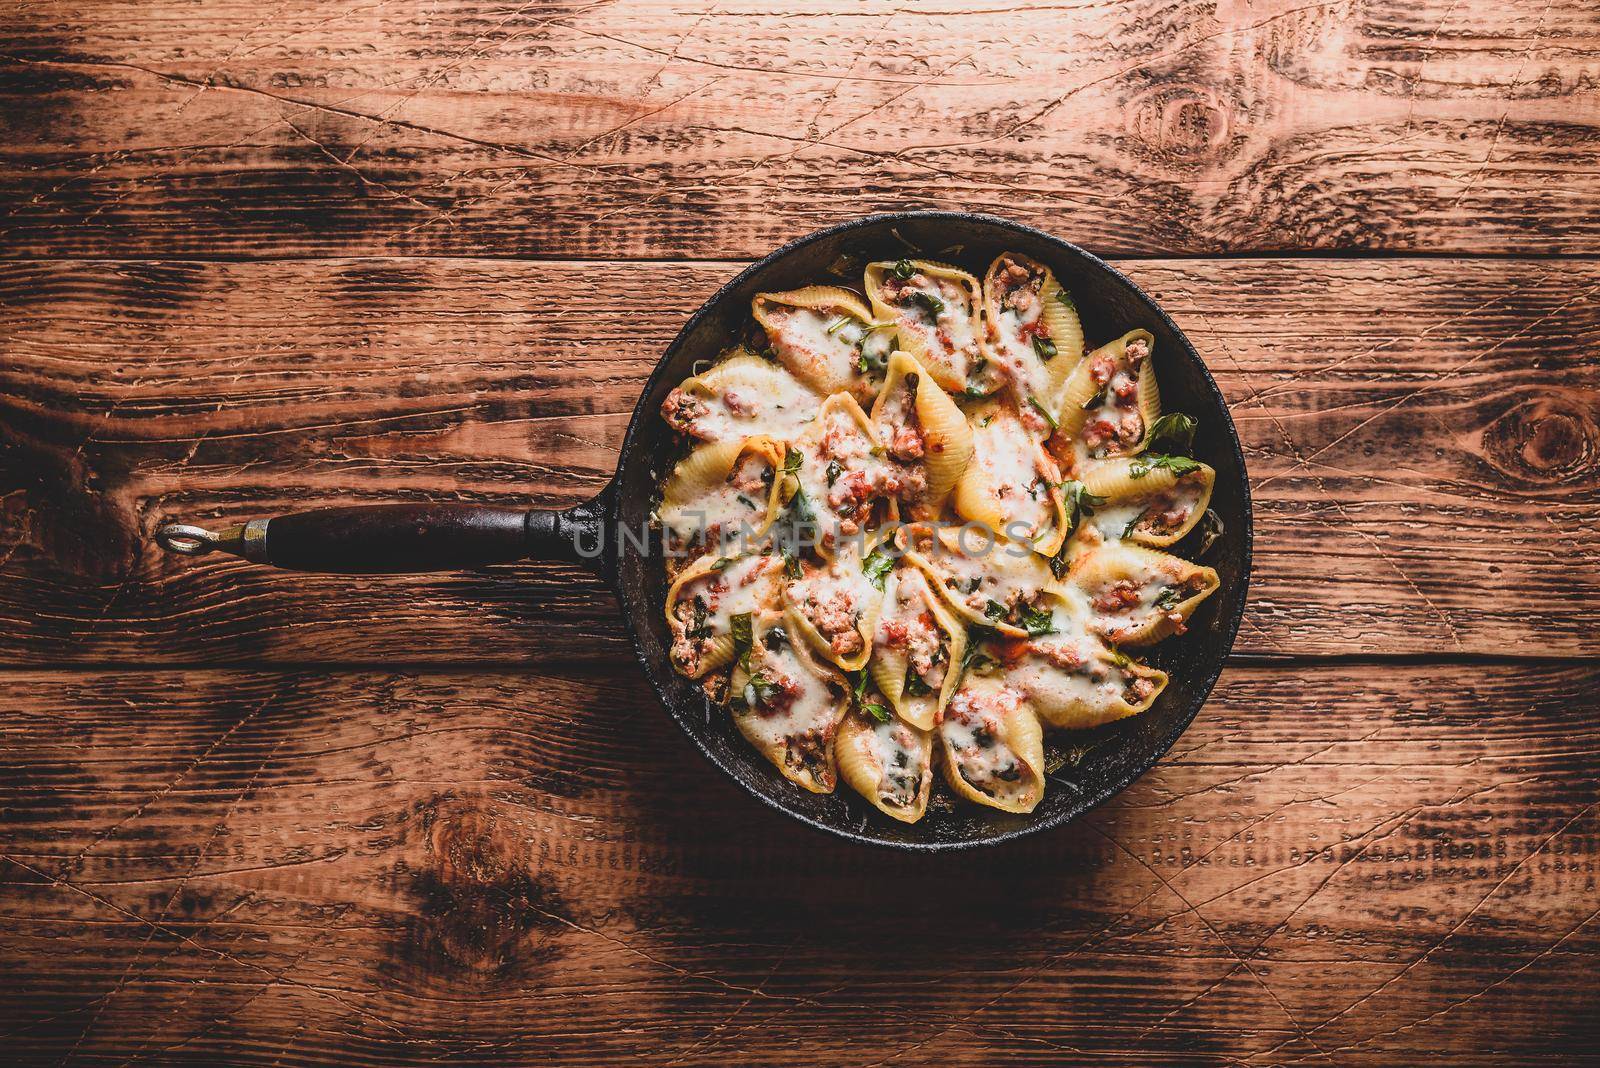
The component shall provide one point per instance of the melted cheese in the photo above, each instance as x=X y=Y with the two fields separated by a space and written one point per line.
x=901 y=756
x=960 y=351
x=819 y=345
x=835 y=598
x=973 y=728
x=1045 y=673
x=813 y=710
x=979 y=572
x=1146 y=584
x=907 y=616
x=748 y=584
x=1008 y=464
x=752 y=396
x=722 y=509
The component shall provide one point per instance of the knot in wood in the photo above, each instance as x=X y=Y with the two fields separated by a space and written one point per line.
x=1181 y=124
x=481 y=910
x=1552 y=438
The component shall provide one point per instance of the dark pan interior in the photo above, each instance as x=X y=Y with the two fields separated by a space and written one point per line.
x=1097 y=763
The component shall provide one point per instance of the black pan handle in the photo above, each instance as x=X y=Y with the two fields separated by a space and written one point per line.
x=391 y=539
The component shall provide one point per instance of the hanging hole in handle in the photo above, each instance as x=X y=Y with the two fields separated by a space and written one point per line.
x=187 y=540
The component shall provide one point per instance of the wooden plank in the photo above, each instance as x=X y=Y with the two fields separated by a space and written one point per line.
x=1351 y=864
x=632 y=129
x=1421 y=439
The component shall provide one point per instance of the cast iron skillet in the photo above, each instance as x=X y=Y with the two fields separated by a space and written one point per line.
x=1094 y=765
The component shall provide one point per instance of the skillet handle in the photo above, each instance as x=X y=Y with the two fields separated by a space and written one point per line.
x=399 y=538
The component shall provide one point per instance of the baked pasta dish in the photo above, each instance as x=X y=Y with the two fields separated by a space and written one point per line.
x=916 y=524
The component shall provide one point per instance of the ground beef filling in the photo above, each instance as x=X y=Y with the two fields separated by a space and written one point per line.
x=682 y=410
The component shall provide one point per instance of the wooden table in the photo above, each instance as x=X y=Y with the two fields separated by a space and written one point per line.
x=262 y=256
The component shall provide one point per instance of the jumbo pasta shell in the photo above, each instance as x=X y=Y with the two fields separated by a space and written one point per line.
x=1105 y=424
x=1061 y=320
x=970 y=572
x=820 y=591
x=1149 y=403
x=1011 y=485
x=843 y=434
x=955 y=360
x=701 y=494
x=1072 y=680
x=1036 y=364
x=815 y=333
x=945 y=434
x=993 y=746
x=1139 y=595
x=739 y=396
x=798 y=737
x=906 y=597
x=889 y=764
x=1077 y=390
x=751 y=585
x=1131 y=501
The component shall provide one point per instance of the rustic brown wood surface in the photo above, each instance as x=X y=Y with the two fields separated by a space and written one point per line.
x=258 y=257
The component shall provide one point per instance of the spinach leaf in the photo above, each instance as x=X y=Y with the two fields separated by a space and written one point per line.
x=1147 y=462
x=699 y=628
x=1079 y=504
x=758 y=691
x=1042 y=410
x=876 y=567
x=739 y=627
x=1211 y=529
x=1170 y=598
x=1037 y=622
x=972 y=658
x=1172 y=433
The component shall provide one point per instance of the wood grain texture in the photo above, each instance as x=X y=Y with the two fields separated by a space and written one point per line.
x=260 y=257
x=1347 y=864
x=1422 y=439
x=641 y=129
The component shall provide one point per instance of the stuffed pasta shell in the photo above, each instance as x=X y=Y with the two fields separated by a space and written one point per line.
x=840 y=473
x=917 y=647
x=917 y=424
x=834 y=606
x=1138 y=596
x=740 y=396
x=1032 y=332
x=721 y=489
x=788 y=704
x=827 y=338
x=1154 y=505
x=1070 y=677
x=1111 y=399
x=993 y=746
x=935 y=309
x=704 y=600
x=1012 y=485
x=988 y=581
x=887 y=761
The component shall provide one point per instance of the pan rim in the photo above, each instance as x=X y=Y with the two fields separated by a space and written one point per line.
x=1228 y=623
